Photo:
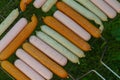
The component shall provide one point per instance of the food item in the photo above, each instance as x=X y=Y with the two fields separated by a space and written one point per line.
x=66 y=43
x=9 y=20
x=13 y=71
x=115 y=4
x=41 y=57
x=69 y=55
x=24 y=3
x=72 y=25
x=38 y=3
x=95 y=32
x=34 y=64
x=111 y=13
x=21 y=37
x=49 y=51
x=88 y=4
x=83 y=11
x=67 y=33
x=12 y=33
x=48 y=5
x=28 y=71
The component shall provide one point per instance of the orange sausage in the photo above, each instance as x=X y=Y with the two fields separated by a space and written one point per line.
x=21 y=37
x=94 y=31
x=42 y=58
x=63 y=30
x=13 y=71
x=24 y=3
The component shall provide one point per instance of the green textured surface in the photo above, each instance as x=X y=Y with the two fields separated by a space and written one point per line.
x=92 y=59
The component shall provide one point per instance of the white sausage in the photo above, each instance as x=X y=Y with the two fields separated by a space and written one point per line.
x=38 y=3
x=38 y=67
x=48 y=5
x=28 y=71
x=115 y=4
x=111 y=13
x=49 y=51
x=12 y=33
x=54 y=44
x=72 y=25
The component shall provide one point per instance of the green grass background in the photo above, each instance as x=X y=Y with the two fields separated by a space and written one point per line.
x=111 y=34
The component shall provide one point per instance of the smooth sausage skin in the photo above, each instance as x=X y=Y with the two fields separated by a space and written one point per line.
x=115 y=4
x=72 y=25
x=57 y=46
x=37 y=66
x=42 y=58
x=110 y=12
x=13 y=71
x=49 y=51
x=62 y=40
x=12 y=33
x=27 y=70
x=38 y=3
